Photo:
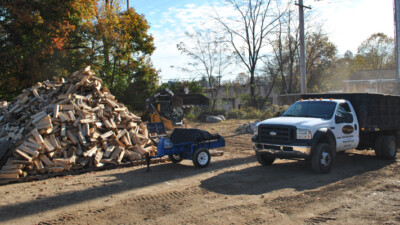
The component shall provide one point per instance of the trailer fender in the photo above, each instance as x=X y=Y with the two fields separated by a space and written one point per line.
x=323 y=135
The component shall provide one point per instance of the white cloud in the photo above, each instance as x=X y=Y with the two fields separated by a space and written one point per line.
x=190 y=6
x=348 y=23
x=171 y=30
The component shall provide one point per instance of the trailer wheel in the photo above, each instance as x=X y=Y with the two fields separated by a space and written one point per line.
x=201 y=158
x=265 y=159
x=175 y=158
x=378 y=146
x=321 y=160
x=389 y=147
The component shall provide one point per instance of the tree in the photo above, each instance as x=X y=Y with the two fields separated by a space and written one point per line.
x=282 y=66
x=340 y=70
x=143 y=85
x=377 y=52
x=320 y=55
x=120 y=44
x=204 y=81
x=242 y=79
x=210 y=57
x=35 y=36
x=247 y=33
x=179 y=87
x=42 y=39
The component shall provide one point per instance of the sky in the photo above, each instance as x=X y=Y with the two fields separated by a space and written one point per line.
x=347 y=22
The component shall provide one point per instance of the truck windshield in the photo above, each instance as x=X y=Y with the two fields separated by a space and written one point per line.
x=316 y=109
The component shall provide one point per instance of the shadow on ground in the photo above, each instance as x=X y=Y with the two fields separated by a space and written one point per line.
x=252 y=180
x=296 y=175
x=126 y=181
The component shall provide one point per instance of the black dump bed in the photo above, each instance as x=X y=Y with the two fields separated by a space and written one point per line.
x=190 y=100
x=374 y=111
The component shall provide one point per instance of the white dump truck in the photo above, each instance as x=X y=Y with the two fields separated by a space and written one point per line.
x=319 y=125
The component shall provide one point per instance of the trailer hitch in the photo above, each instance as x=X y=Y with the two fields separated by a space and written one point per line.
x=148 y=157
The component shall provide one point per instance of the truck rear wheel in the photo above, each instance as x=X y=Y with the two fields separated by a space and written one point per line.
x=389 y=147
x=265 y=159
x=378 y=146
x=321 y=160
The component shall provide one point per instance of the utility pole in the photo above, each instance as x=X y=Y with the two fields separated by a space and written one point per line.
x=303 y=88
x=127 y=4
x=397 y=37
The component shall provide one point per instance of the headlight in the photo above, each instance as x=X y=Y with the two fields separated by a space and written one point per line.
x=256 y=130
x=303 y=134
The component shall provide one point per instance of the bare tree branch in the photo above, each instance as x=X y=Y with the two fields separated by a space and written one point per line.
x=255 y=26
x=210 y=56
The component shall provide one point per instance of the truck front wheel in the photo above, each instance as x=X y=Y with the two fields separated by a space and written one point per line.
x=321 y=160
x=265 y=159
x=389 y=147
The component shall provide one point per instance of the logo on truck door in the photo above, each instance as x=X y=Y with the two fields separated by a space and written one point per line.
x=347 y=129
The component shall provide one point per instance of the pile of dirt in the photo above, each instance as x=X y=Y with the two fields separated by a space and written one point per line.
x=65 y=125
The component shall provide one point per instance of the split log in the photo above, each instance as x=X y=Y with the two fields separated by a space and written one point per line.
x=11 y=171
x=9 y=176
x=90 y=152
x=46 y=160
x=23 y=155
x=106 y=135
x=37 y=136
x=31 y=152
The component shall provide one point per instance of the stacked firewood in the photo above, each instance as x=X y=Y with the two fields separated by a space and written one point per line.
x=69 y=124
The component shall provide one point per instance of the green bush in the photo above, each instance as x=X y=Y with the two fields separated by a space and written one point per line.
x=235 y=114
x=218 y=112
x=259 y=102
x=193 y=113
x=253 y=113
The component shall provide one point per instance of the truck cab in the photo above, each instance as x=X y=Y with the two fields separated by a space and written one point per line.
x=312 y=129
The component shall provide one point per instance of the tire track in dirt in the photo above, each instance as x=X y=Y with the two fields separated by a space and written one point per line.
x=235 y=208
x=163 y=199
x=295 y=204
x=370 y=212
x=330 y=195
x=151 y=208
x=171 y=195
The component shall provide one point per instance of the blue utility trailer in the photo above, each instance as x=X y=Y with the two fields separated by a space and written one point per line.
x=191 y=144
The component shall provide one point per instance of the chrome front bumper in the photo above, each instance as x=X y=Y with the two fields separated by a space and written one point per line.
x=284 y=151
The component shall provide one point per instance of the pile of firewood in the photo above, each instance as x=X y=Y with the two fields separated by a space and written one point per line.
x=69 y=124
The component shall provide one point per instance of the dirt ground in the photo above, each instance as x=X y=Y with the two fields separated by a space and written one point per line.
x=233 y=189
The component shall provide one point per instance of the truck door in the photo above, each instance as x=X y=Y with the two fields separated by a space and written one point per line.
x=346 y=128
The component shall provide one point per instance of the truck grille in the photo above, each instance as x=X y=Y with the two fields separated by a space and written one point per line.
x=276 y=134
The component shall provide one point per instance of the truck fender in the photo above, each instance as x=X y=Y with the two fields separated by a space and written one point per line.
x=323 y=135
